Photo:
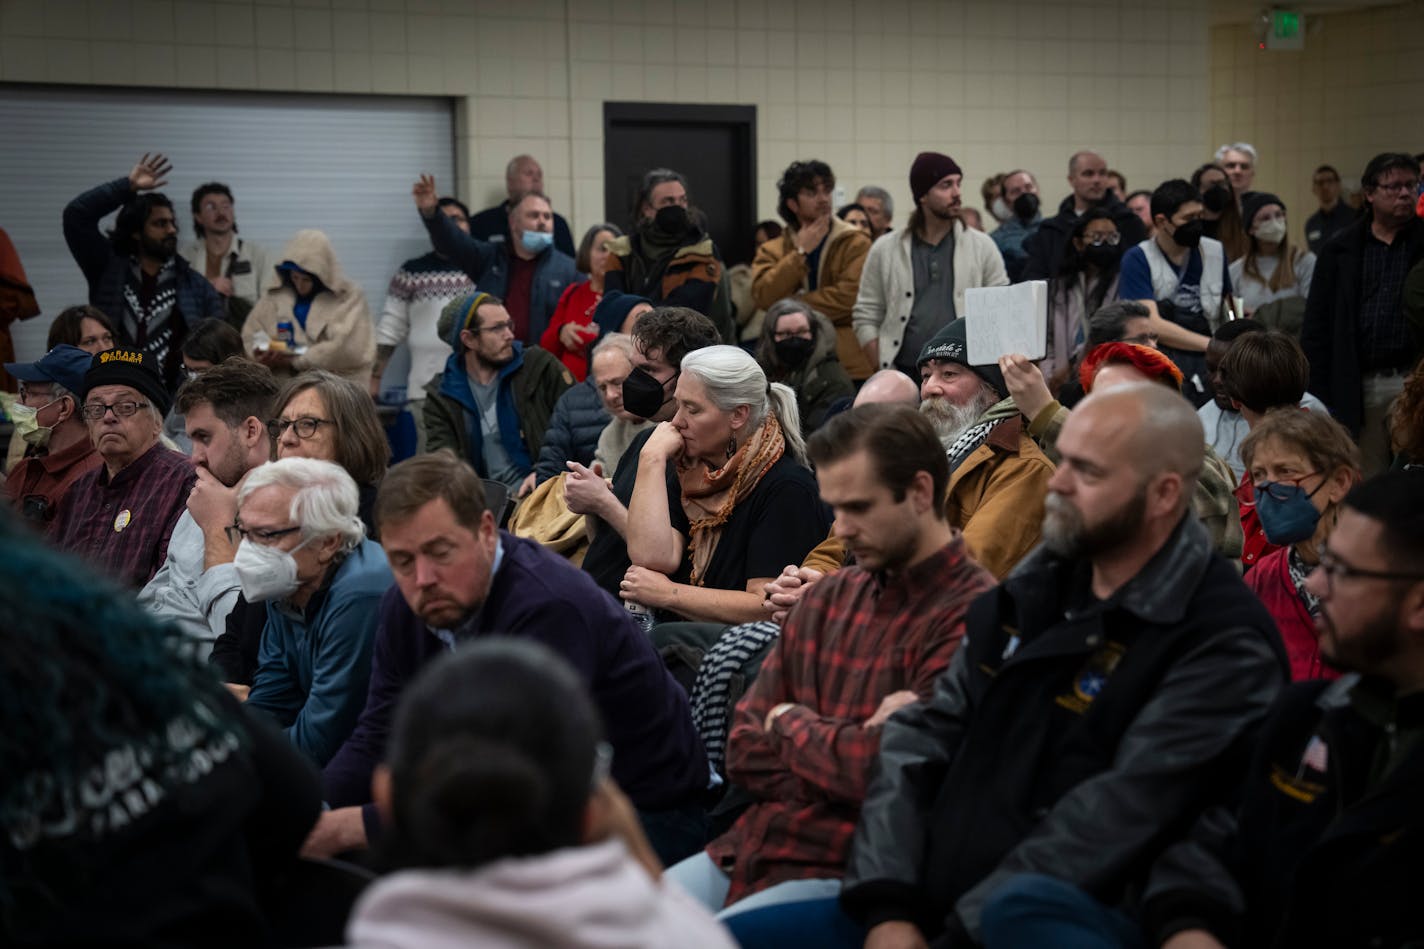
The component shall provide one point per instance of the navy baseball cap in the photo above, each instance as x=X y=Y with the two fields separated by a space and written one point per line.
x=65 y=364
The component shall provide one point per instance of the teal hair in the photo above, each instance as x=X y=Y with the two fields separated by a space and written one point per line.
x=83 y=670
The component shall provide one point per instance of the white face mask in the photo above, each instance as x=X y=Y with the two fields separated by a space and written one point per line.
x=1272 y=231
x=266 y=573
x=1001 y=210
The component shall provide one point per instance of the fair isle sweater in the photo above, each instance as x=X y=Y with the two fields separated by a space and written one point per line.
x=417 y=293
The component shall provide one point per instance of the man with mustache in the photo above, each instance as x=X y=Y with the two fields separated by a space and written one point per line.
x=135 y=274
x=238 y=269
x=997 y=475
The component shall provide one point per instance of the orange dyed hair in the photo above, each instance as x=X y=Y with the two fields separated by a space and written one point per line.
x=1144 y=359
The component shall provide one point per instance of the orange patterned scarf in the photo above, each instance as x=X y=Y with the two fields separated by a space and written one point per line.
x=708 y=497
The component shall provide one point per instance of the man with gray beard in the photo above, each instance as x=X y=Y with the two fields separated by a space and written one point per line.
x=1103 y=697
x=998 y=477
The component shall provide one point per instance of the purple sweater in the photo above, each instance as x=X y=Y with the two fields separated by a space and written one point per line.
x=658 y=758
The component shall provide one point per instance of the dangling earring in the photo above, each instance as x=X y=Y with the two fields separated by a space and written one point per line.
x=731 y=446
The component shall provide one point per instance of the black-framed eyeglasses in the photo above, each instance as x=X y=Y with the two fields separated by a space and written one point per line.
x=94 y=411
x=1397 y=187
x=306 y=426
x=237 y=533
x=1337 y=569
x=498 y=328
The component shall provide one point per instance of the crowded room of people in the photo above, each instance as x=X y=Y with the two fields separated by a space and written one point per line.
x=876 y=474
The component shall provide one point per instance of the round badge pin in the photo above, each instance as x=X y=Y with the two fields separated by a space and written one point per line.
x=122 y=520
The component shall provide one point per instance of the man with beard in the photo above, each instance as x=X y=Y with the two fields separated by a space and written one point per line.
x=493 y=402
x=1098 y=694
x=913 y=283
x=998 y=477
x=225 y=411
x=135 y=274
x=459 y=577
x=1324 y=847
x=668 y=258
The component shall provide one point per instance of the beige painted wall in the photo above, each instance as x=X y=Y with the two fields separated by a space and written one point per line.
x=1356 y=90
x=863 y=84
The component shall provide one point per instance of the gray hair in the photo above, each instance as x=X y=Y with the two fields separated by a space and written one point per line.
x=732 y=378
x=1242 y=147
x=879 y=194
x=512 y=169
x=622 y=342
x=325 y=502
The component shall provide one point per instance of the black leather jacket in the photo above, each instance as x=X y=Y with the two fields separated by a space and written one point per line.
x=1069 y=737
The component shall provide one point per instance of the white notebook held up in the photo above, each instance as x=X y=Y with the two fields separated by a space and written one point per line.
x=1004 y=320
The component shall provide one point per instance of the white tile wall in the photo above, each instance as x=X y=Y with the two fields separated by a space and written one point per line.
x=864 y=84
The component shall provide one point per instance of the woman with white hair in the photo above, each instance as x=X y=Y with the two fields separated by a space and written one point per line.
x=301 y=548
x=743 y=505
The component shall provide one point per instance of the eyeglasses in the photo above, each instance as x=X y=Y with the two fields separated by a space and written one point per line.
x=305 y=426
x=1098 y=240
x=1337 y=569
x=236 y=533
x=499 y=328
x=1141 y=339
x=1397 y=187
x=94 y=411
x=1276 y=490
x=27 y=393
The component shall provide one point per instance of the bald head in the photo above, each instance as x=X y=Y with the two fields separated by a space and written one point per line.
x=1147 y=427
x=888 y=386
x=523 y=175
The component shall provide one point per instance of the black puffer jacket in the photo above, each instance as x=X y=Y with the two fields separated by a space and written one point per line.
x=573 y=432
x=1069 y=737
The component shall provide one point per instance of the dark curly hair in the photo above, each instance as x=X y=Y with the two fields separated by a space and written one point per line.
x=799 y=175
x=132 y=218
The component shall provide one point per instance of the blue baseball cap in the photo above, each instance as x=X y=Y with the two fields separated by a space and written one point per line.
x=65 y=364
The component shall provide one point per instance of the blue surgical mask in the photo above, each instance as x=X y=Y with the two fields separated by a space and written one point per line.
x=536 y=242
x=1287 y=516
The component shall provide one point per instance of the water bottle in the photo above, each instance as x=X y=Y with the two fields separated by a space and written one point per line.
x=641 y=615
x=287 y=333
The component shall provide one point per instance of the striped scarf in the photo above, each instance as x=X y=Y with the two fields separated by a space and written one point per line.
x=711 y=699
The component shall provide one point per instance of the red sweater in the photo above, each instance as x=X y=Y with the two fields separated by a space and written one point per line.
x=1271 y=581
x=575 y=306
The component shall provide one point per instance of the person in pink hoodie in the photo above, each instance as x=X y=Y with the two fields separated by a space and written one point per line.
x=504 y=830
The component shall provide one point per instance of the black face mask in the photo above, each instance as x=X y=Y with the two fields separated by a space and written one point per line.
x=1101 y=256
x=1026 y=206
x=1216 y=198
x=794 y=351
x=671 y=219
x=1188 y=234
x=642 y=394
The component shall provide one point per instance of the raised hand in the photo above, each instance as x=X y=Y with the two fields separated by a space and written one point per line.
x=425 y=195
x=1026 y=385
x=150 y=172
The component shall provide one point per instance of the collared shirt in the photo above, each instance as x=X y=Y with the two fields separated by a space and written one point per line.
x=448 y=636
x=933 y=307
x=1384 y=337
x=855 y=638
x=122 y=524
x=38 y=483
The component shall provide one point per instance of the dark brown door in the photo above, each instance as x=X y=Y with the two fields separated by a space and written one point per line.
x=713 y=146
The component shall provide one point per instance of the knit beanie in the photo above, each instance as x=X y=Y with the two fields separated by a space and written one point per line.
x=128 y=367
x=927 y=171
x=951 y=344
x=1252 y=204
x=613 y=309
x=458 y=314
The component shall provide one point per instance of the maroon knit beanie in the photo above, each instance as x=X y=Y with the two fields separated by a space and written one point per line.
x=929 y=168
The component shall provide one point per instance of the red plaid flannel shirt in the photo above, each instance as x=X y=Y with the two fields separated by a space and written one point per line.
x=121 y=526
x=855 y=638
